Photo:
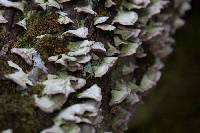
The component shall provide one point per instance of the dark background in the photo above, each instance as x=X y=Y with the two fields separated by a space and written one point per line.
x=174 y=105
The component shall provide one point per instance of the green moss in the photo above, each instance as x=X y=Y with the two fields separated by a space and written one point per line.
x=42 y=23
x=4 y=68
x=26 y=9
x=37 y=89
x=18 y=113
x=2 y=34
x=103 y=12
x=50 y=45
x=38 y=24
x=7 y=86
x=24 y=42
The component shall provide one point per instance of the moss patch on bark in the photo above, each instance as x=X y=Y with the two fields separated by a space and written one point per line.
x=18 y=113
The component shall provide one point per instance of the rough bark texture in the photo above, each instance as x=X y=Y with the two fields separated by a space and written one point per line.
x=125 y=64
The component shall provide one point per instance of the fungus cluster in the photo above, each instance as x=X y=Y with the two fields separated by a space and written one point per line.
x=120 y=41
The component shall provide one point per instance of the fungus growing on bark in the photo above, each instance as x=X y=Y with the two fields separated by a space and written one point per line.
x=89 y=61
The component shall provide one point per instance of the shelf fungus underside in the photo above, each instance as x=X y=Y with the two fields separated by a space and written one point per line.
x=81 y=66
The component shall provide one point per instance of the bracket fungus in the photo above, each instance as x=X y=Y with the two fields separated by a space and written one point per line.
x=19 y=77
x=73 y=112
x=49 y=104
x=53 y=129
x=85 y=9
x=104 y=67
x=126 y=18
x=45 y=3
x=94 y=92
x=106 y=27
x=2 y=19
x=109 y=3
x=100 y=20
x=22 y=23
x=7 y=131
x=16 y=5
x=63 y=18
x=57 y=86
x=119 y=93
x=26 y=54
x=63 y=86
x=80 y=32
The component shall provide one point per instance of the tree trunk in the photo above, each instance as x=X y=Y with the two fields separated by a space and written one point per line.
x=81 y=66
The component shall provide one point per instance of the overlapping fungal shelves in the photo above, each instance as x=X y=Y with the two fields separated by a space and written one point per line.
x=85 y=64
